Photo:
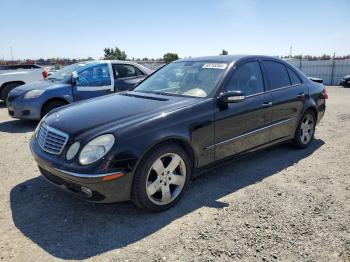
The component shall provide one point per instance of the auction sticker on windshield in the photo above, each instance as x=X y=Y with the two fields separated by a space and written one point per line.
x=215 y=66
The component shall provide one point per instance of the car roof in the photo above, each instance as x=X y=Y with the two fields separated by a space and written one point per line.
x=222 y=58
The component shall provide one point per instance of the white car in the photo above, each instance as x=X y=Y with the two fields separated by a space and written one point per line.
x=10 y=78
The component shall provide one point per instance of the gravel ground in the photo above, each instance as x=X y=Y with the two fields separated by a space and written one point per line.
x=281 y=204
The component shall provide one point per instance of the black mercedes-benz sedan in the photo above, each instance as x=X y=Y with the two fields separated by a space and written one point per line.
x=145 y=145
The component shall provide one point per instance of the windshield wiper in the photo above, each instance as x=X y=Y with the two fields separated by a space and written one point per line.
x=162 y=93
x=53 y=78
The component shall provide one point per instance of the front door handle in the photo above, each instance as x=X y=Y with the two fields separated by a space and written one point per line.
x=267 y=104
x=301 y=95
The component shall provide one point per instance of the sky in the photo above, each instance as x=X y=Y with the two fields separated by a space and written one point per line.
x=151 y=28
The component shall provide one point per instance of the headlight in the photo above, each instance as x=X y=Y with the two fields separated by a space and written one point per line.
x=33 y=94
x=96 y=149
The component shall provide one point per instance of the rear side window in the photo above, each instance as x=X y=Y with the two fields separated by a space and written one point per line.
x=247 y=78
x=277 y=74
x=122 y=71
x=294 y=78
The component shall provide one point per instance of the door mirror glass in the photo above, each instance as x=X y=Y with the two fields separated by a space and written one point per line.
x=231 y=97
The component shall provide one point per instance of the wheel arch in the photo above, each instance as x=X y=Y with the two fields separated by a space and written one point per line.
x=8 y=83
x=52 y=99
x=311 y=107
x=11 y=82
x=178 y=140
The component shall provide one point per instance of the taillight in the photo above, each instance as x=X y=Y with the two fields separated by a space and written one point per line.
x=45 y=73
x=325 y=93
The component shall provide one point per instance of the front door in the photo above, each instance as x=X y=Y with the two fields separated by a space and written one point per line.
x=244 y=125
x=126 y=77
x=94 y=79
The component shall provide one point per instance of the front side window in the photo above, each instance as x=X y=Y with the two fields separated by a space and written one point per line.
x=122 y=71
x=246 y=78
x=277 y=74
x=94 y=75
x=196 y=79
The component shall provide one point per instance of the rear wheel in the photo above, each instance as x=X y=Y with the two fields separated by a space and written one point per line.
x=7 y=88
x=305 y=130
x=50 y=106
x=161 y=178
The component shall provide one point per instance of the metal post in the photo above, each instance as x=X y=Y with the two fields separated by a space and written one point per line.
x=333 y=65
x=11 y=53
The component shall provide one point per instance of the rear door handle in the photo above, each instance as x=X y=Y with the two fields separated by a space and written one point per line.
x=267 y=104
x=301 y=95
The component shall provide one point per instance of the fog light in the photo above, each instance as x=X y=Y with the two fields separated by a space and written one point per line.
x=72 y=151
x=86 y=191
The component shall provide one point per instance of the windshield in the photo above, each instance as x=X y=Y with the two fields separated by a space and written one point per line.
x=65 y=72
x=196 y=79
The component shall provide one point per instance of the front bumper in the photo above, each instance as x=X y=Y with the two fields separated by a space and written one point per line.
x=88 y=185
x=345 y=82
x=24 y=109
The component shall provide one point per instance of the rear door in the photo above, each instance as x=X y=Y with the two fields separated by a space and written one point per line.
x=93 y=80
x=244 y=125
x=126 y=77
x=288 y=97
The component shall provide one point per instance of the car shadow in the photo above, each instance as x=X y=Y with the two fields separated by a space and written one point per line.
x=18 y=126
x=2 y=104
x=69 y=228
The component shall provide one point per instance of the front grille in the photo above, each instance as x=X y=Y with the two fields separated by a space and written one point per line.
x=51 y=140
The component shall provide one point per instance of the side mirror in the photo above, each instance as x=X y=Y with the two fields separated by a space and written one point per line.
x=74 y=78
x=231 y=97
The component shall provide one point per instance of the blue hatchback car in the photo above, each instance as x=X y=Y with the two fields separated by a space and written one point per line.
x=74 y=83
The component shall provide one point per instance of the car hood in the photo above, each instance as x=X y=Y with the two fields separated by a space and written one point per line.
x=111 y=112
x=42 y=84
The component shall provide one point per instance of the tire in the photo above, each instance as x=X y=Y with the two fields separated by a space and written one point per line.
x=50 y=106
x=7 y=88
x=156 y=191
x=305 y=131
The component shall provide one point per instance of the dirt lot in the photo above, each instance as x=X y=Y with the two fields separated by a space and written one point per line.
x=277 y=205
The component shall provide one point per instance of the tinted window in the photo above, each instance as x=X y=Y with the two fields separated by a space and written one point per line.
x=294 y=78
x=277 y=74
x=126 y=71
x=95 y=75
x=247 y=78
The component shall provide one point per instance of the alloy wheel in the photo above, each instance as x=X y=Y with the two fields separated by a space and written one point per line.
x=166 y=179
x=307 y=129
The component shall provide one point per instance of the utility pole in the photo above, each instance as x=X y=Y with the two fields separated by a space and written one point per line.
x=290 y=51
x=333 y=65
x=11 y=53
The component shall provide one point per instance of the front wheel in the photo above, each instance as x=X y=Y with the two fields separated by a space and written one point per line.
x=305 y=131
x=161 y=178
x=50 y=106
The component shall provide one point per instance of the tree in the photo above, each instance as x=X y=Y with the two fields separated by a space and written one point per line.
x=114 y=54
x=224 y=52
x=169 y=57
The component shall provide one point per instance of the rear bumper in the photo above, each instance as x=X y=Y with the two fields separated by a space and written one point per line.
x=87 y=185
